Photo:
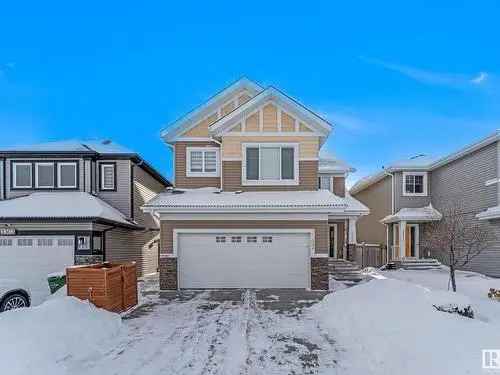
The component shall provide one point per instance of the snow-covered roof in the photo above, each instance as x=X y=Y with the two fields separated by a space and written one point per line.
x=489 y=214
x=424 y=162
x=212 y=198
x=72 y=145
x=427 y=213
x=185 y=122
x=62 y=205
x=332 y=165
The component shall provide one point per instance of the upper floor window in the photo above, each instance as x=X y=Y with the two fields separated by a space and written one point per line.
x=22 y=175
x=45 y=175
x=325 y=183
x=67 y=175
x=107 y=176
x=202 y=162
x=415 y=183
x=270 y=164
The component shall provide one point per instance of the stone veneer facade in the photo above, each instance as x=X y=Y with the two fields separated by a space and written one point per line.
x=319 y=273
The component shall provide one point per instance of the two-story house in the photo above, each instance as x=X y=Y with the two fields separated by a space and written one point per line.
x=75 y=202
x=406 y=195
x=247 y=209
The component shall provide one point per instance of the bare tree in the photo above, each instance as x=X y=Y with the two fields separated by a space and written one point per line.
x=457 y=238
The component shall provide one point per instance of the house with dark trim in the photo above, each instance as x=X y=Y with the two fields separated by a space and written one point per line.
x=77 y=202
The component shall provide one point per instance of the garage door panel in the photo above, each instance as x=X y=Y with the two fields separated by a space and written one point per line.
x=205 y=263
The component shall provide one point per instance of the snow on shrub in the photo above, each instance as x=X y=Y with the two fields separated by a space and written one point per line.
x=37 y=340
x=391 y=327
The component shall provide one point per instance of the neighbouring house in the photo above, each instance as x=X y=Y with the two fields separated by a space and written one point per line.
x=406 y=195
x=76 y=202
x=253 y=206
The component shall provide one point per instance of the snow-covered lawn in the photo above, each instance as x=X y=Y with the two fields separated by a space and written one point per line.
x=471 y=284
x=384 y=326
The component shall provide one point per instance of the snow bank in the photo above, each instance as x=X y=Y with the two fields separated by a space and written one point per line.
x=38 y=340
x=391 y=327
x=471 y=284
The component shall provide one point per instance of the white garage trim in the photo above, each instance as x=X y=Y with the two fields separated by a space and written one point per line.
x=312 y=232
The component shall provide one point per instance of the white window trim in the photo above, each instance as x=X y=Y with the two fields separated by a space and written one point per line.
x=36 y=175
x=14 y=176
x=202 y=174
x=59 y=186
x=246 y=182
x=102 y=166
x=424 y=193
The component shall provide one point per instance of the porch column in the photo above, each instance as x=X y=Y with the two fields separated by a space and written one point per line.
x=352 y=231
x=402 y=239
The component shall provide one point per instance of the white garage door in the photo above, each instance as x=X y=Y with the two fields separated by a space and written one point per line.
x=29 y=259
x=243 y=260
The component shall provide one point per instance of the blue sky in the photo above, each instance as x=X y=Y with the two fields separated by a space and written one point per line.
x=396 y=79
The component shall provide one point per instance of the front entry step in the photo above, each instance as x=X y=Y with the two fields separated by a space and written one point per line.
x=343 y=270
x=414 y=264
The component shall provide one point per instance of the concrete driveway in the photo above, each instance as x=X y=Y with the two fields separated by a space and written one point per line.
x=219 y=332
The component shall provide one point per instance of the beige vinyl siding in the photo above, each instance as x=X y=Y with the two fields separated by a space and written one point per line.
x=146 y=187
x=304 y=128
x=321 y=230
x=181 y=180
x=377 y=198
x=119 y=199
x=270 y=118
x=125 y=245
x=243 y=99
x=229 y=107
x=339 y=186
x=201 y=130
x=287 y=122
x=17 y=193
x=252 y=122
x=231 y=144
x=308 y=178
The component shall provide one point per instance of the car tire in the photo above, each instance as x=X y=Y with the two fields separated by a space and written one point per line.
x=14 y=301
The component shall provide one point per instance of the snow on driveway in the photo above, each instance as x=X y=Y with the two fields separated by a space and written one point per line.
x=198 y=333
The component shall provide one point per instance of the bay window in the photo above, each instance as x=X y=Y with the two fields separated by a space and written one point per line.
x=270 y=164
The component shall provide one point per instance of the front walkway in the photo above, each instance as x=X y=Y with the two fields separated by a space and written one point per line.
x=218 y=332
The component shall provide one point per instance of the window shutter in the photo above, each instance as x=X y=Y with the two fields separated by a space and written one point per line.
x=287 y=163
x=252 y=163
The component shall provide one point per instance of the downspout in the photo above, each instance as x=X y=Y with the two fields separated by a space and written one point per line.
x=392 y=212
x=220 y=158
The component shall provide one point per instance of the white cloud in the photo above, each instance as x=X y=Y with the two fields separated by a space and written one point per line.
x=480 y=78
x=429 y=76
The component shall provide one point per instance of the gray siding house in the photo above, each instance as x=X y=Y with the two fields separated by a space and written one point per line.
x=77 y=202
x=407 y=195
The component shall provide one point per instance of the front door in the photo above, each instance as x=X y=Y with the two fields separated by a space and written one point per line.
x=333 y=241
x=411 y=242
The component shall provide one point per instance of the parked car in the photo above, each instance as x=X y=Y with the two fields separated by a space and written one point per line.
x=13 y=295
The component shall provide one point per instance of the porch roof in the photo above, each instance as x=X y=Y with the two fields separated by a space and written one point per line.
x=420 y=214
x=213 y=199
